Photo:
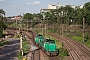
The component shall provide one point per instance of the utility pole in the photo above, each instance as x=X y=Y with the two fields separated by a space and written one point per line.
x=27 y=22
x=20 y=41
x=45 y=30
x=42 y=29
x=62 y=21
x=16 y=26
x=21 y=49
x=20 y=25
x=31 y=24
x=62 y=29
x=83 y=29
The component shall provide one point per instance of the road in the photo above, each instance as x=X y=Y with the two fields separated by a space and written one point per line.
x=9 y=52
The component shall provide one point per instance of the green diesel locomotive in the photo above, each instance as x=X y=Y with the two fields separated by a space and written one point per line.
x=47 y=45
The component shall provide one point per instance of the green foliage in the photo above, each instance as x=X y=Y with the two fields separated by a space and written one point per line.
x=63 y=53
x=79 y=39
x=86 y=38
x=2 y=12
x=16 y=36
x=28 y=16
x=1 y=28
x=37 y=16
x=64 y=15
x=26 y=48
x=14 y=25
x=87 y=12
x=3 y=43
x=2 y=22
x=26 y=45
x=87 y=6
x=87 y=43
x=19 y=55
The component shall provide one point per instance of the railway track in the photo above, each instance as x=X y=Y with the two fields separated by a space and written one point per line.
x=10 y=33
x=72 y=51
x=83 y=49
x=38 y=54
x=42 y=53
x=76 y=50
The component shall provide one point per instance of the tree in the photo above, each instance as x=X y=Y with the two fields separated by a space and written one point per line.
x=66 y=14
x=28 y=16
x=2 y=13
x=87 y=12
x=40 y=16
x=47 y=15
x=37 y=16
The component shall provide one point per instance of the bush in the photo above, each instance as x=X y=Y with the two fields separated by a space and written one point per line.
x=1 y=44
x=68 y=35
x=86 y=38
x=63 y=52
x=20 y=55
x=25 y=45
x=3 y=35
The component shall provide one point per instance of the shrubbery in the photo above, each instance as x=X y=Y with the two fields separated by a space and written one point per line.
x=3 y=43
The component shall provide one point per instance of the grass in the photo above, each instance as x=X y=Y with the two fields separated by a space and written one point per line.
x=79 y=39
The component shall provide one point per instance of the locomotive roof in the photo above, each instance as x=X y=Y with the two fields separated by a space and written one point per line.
x=50 y=41
x=39 y=35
